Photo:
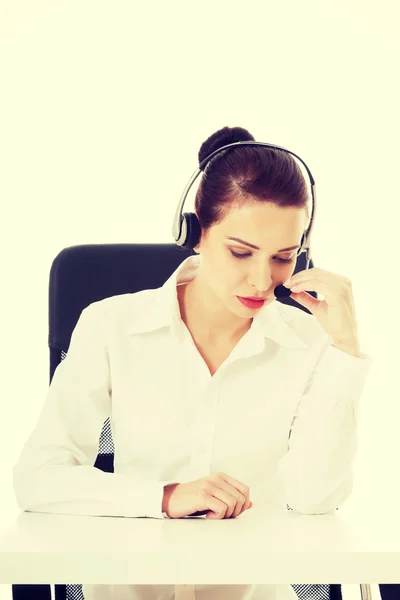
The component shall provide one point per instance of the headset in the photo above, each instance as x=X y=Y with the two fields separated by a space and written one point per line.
x=186 y=228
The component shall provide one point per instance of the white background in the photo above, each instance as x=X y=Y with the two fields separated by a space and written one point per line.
x=103 y=108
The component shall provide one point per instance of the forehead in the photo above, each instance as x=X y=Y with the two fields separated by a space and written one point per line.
x=258 y=218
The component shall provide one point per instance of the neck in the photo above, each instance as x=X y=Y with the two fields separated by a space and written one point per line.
x=202 y=313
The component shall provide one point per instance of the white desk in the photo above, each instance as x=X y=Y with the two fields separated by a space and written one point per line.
x=254 y=548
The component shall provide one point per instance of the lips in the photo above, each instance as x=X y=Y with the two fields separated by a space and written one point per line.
x=251 y=302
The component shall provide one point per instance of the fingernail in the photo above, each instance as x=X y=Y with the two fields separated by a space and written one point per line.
x=287 y=282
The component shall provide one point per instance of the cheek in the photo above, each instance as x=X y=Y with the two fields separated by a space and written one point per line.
x=281 y=272
x=222 y=278
x=286 y=269
x=229 y=280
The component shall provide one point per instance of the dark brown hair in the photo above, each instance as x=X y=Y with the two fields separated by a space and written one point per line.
x=239 y=175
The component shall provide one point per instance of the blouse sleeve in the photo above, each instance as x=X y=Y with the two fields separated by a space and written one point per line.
x=317 y=469
x=55 y=472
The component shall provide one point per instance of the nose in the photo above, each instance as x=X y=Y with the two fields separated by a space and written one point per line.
x=261 y=277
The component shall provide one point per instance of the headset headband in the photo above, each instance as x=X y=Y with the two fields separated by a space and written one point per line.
x=178 y=218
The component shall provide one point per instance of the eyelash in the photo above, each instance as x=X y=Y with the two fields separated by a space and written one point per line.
x=277 y=258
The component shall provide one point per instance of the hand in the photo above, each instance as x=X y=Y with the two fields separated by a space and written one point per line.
x=336 y=313
x=218 y=496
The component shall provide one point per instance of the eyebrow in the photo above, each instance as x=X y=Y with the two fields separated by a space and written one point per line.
x=257 y=248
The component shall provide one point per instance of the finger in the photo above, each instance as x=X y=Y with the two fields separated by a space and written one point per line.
x=319 y=275
x=312 y=304
x=241 y=502
x=245 y=507
x=231 y=496
x=241 y=487
x=314 y=273
x=212 y=490
x=242 y=499
x=328 y=290
x=217 y=508
x=248 y=504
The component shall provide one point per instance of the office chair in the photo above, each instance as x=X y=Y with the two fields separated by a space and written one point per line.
x=81 y=275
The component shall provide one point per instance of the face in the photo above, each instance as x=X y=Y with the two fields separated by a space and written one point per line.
x=230 y=268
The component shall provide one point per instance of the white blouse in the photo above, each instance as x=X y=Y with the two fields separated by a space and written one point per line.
x=131 y=358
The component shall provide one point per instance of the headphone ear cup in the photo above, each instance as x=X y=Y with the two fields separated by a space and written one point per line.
x=193 y=231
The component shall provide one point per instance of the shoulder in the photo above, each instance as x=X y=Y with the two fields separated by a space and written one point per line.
x=304 y=324
x=120 y=310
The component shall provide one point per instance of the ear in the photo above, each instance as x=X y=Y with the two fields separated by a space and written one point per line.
x=198 y=245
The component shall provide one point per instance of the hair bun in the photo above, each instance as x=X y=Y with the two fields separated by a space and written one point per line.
x=222 y=137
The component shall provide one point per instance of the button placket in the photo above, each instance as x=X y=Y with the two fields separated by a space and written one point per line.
x=203 y=433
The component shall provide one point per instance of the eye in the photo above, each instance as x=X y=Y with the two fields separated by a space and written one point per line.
x=284 y=260
x=238 y=255
x=277 y=258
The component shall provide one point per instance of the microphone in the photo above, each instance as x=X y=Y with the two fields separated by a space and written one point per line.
x=282 y=292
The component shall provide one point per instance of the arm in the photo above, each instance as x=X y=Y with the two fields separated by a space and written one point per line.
x=55 y=472
x=317 y=468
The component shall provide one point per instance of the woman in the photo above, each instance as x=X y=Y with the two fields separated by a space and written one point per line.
x=212 y=398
